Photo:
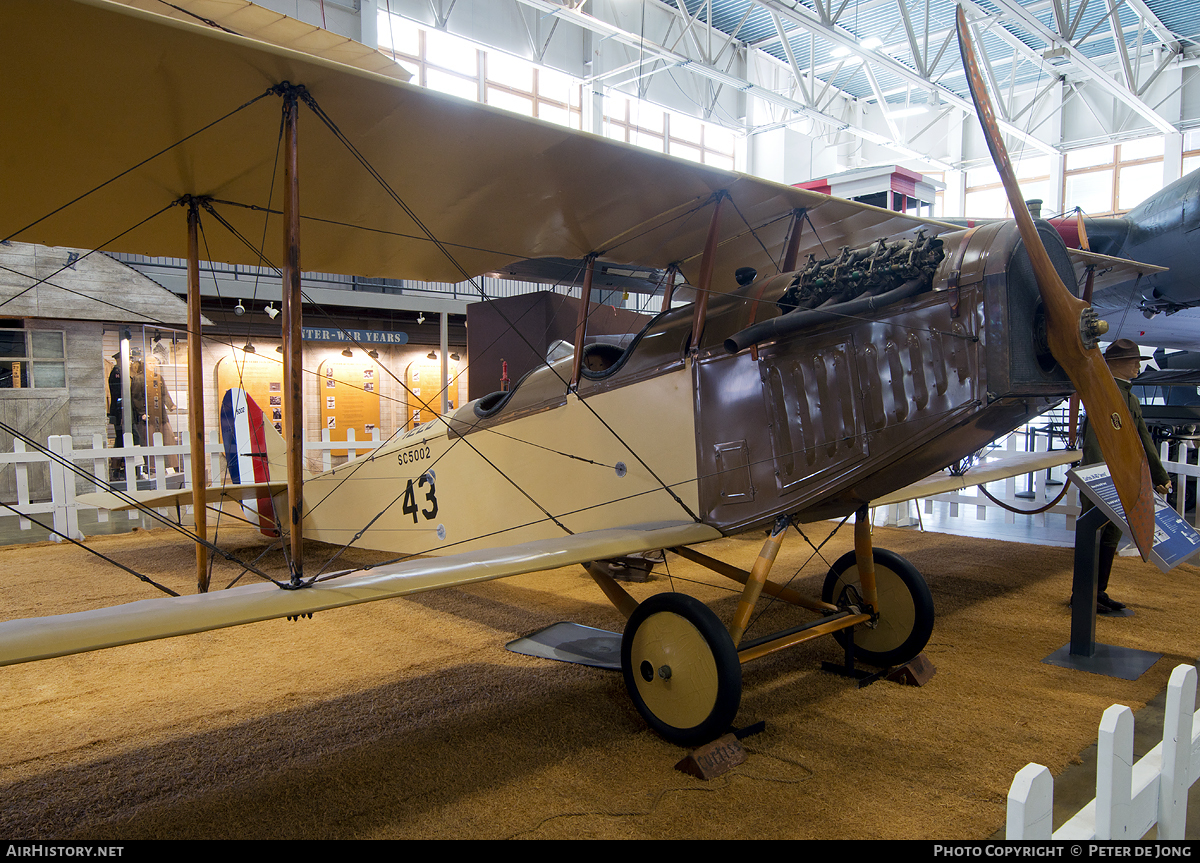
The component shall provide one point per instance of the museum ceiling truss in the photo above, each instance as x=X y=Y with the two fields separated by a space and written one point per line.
x=830 y=61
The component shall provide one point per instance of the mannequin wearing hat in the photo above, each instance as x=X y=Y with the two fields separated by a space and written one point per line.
x=1124 y=360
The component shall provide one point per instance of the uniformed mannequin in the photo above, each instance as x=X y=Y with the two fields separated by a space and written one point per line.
x=159 y=404
x=137 y=398
x=1124 y=361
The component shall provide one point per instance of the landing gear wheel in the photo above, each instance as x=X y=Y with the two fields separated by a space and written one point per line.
x=681 y=669
x=905 y=608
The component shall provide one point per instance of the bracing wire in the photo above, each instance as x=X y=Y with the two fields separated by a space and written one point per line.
x=443 y=247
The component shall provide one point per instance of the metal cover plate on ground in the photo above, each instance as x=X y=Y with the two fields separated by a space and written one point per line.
x=1125 y=663
x=572 y=642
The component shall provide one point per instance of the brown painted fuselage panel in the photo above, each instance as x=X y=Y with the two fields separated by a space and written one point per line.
x=819 y=423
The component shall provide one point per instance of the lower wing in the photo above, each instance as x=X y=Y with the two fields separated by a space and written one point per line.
x=60 y=635
x=1001 y=467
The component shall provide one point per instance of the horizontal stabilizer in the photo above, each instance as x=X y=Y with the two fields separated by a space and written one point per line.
x=1109 y=271
x=64 y=634
x=1000 y=467
x=153 y=497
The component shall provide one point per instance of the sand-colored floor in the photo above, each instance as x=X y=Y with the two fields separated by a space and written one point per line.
x=409 y=719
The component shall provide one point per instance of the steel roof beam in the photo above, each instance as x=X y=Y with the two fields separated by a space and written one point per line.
x=1097 y=75
x=677 y=60
x=1156 y=26
x=808 y=19
x=791 y=55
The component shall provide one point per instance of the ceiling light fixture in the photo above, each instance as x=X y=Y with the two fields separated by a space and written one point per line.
x=346 y=352
x=239 y=309
x=271 y=311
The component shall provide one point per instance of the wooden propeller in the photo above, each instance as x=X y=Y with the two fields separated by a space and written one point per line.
x=1067 y=324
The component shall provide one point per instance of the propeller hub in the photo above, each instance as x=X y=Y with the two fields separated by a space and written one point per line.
x=1091 y=328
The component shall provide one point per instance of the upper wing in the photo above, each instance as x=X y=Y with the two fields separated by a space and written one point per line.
x=1000 y=467
x=45 y=637
x=243 y=18
x=114 y=99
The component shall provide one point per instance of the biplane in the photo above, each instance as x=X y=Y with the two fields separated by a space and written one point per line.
x=829 y=353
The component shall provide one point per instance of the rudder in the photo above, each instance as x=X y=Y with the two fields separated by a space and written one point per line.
x=254 y=452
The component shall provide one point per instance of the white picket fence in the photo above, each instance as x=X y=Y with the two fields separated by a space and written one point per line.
x=970 y=504
x=1130 y=798
x=62 y=505
x=150 y=462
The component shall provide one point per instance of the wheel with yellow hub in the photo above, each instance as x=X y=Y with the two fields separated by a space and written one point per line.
x=905 y=608
x=681 y=669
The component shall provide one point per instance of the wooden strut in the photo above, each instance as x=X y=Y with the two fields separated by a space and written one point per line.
x=793 y=246
x=706 y=270
x=814 y=630
x=669 y=287
x=292 y=339
x=769 y=587
x=754 y=587
x=788 y=266
x=617 y=595
x=864 y=556
x=754 y=584
x=581 y=320
x=196 y=397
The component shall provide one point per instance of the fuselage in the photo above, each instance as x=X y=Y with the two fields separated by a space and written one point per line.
x=814 y=425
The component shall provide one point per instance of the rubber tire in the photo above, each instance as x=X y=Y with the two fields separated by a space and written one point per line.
x=906 y=609
x=700 y=700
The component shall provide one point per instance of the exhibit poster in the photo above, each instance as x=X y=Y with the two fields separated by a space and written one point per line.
x=1174 y=539
x=349 y=403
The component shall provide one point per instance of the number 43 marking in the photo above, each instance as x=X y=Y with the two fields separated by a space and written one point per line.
x=410 y=499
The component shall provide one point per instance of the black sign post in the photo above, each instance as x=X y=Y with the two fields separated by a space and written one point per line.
x=1174 y=542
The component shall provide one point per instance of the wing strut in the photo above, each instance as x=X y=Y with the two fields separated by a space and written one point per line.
x=793 y=246
x=585 y=302
x=196 y=396
x=292 y=341
x=706 y=271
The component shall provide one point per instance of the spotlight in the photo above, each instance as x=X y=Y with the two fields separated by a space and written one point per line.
x=239 y=309
x=420 y=317
x=455 y=357
x=347 y=353
x=248 y=348
x=271 y=311
x=373 y=354
x=432 y=355
x=279 y=349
